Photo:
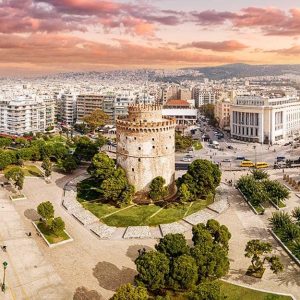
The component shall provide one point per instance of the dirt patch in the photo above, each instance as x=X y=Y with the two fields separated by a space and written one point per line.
x=82 y=293
x=133 y=251
x=111 y=277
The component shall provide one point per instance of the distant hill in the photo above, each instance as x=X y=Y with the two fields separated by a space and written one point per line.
x=244 y=70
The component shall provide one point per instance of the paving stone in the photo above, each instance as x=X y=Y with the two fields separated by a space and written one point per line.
x=175 y=227
x=102 y=230
x=219 y=206
x=85 y=217
x=71 y=204
x=137 y=232
x=199 y=217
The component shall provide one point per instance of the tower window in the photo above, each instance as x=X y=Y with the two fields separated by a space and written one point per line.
x=132 y=169
x=152 y=139
x=139 y=148
x=135 y=138
x=139 y=159
x=153 y=147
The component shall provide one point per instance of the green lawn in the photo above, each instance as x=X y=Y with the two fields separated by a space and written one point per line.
x=29 y=170
x=99 y=209
x=32 y=171
x=50 y=237
x=234 y=292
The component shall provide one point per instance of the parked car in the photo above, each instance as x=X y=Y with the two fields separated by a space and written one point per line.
x=240 y=158
x=230 y=147
x=186 y=159
x=280 y=158
x=226 y=160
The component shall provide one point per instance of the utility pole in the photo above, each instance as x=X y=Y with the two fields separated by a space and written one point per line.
x=3 y=282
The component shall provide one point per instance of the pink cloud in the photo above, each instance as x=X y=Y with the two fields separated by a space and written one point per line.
x=225 y=46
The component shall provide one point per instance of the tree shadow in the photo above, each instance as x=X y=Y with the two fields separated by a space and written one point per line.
x=133 y=251
x=82 y=293
x=240 y=275
x=289 y=276
x=31 y=214
x=110 y=277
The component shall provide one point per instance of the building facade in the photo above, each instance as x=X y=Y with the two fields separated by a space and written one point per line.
x=265 y=119
x=87 y=103
x=25 y=114
x=222 y=113
x=146 y=146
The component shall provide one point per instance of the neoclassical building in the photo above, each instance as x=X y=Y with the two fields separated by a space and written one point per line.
x=146 y=145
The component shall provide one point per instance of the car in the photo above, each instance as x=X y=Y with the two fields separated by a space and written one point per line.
x=226 y=160
x=240 y=158
x=186 y=159
x=230 y=147
x=190 y=155
x=288 y=143
x=280 y=158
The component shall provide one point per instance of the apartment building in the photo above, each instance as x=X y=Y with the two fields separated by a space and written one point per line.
x=24 y=114
x=68 y=107
x=222 y=113
x=87 y=103
x=265 y=119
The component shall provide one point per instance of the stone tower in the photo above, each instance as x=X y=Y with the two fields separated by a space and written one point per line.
x=146 y=145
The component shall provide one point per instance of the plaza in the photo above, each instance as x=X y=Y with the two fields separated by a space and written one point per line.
x=92 y=264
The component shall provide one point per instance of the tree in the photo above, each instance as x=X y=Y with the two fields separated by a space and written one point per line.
x=173 y=245
x=57 y=226
x=96 y=119
x=68 y=164
x=201 y=235
x=101 y=141
x=182 y=142
x=5 y=142
x=220 y=233
x=207 y=291
x=17 y=175
x=158 y=190
x=275 y=190
x=184 y=193
x=85 y=148
x=47 y=166
x=208 y=110
x=46 y=211
x=102 y=166
x=7 y=158
x=153 y=269
x=201 y=178
x=130 y=292
x=259 y=174
x=211 y=259
x=116 y=188
x=257 y=251
x=183 y=273
x=290 y=232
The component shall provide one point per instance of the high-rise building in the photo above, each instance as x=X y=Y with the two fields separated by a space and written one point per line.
x=87 y=103
x=25 y=114
x=68 y=108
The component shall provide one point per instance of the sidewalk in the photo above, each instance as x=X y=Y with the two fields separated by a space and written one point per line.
x=29 y=275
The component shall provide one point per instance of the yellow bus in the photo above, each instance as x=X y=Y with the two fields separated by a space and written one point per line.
x=247 y=163
x=261 y=165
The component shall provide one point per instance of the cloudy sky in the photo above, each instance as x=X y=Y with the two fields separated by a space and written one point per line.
x=72 y=35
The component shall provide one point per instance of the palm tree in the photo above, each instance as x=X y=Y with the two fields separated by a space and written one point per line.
x=280 y=220
x=296 y=214
x=290 y=232
x=296 y=248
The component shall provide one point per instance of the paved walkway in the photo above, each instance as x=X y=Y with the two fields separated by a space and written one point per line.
x=29 y=275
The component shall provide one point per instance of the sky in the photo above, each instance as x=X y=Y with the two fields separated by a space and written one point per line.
x=46 y=36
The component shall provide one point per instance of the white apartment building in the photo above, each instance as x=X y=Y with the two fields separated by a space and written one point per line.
x=68 y=107
x=265 y=119
x=87 y=103
x=24 y=114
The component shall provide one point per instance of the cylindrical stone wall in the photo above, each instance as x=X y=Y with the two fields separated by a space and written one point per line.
x=146 y=146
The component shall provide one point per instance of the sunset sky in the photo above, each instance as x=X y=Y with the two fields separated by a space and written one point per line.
x=40 y=36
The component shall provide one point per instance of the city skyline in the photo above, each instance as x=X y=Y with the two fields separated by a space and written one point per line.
x=46 y=36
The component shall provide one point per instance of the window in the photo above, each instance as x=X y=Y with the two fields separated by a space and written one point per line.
x=132 y=169
x=153 y=147
x=152 y=139
x=139 y=148
x=139 y=159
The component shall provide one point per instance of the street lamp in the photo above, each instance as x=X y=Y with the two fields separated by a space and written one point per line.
x=3 y=282
x=254 y=147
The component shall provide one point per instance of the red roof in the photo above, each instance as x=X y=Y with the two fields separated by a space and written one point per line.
x=177 y=103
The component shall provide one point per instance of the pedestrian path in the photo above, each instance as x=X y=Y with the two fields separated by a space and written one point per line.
x=103 y=231
x=30 y=276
